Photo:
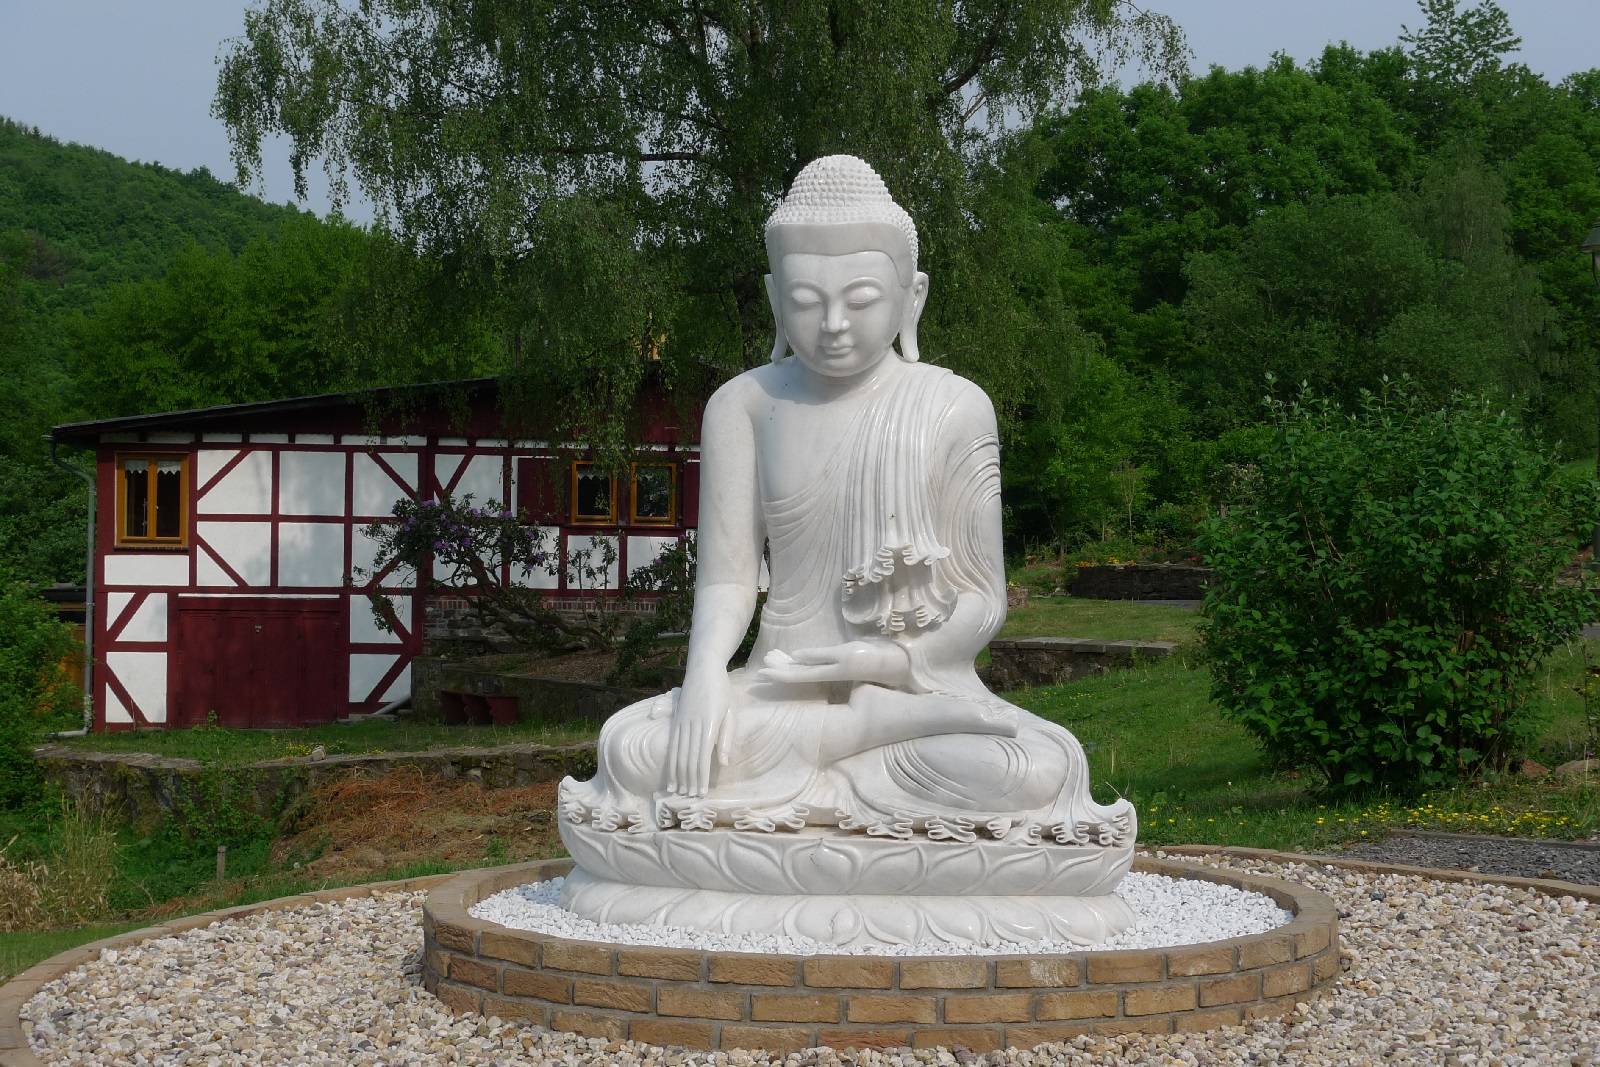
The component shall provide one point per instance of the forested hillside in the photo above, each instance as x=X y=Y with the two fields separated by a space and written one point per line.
x=128 y=287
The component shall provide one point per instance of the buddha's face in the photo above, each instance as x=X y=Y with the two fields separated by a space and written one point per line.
x=842 y=313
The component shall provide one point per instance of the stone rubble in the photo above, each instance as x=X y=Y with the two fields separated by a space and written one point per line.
x=1436 y=973
x=1167 y=912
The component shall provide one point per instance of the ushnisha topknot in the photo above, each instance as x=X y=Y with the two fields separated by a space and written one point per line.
x=838 y=205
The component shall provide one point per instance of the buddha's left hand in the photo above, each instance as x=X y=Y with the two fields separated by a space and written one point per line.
x=880 y=662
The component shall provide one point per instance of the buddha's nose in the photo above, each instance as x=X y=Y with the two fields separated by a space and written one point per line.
x=835 y=321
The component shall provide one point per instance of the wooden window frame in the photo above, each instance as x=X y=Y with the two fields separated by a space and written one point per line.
x=590 y=520
x=633 y=494
x=123 y=540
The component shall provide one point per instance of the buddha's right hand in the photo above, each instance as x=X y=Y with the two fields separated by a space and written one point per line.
x=702 y=725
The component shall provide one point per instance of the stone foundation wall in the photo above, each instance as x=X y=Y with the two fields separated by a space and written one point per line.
x=144 y=788
x=1140 y=581
x=450 y=625
x=1015 y=663
x=540 y=699
x=710 y=1000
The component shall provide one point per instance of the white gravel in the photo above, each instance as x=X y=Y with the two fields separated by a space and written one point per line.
x=1437 y=973
x=1167 y=911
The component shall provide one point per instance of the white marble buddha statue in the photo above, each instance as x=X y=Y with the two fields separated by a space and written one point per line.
x=855 y=780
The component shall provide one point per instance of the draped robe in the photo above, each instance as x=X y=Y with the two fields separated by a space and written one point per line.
x=881 y=544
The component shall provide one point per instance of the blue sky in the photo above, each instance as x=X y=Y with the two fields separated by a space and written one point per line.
x=136 y=78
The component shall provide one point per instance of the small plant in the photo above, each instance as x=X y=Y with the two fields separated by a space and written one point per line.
x=36 y=693
x=69 y=886
x=1388 y=586
x=488 y=554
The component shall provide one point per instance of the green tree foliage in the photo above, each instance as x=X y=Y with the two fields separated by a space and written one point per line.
x=223 y=328
x=35 y=691
x=597 y=179
x=1387 y=587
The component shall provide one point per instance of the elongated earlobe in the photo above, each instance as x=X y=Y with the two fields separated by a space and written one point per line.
x=780 y=340
x=916 y=300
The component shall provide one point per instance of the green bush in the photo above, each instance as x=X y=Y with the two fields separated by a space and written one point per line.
x=36 y=692
x=1387 y=585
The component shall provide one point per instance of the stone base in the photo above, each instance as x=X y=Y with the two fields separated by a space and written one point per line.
x=850 y=920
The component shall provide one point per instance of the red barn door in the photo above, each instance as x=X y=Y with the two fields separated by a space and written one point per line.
x=259 y=662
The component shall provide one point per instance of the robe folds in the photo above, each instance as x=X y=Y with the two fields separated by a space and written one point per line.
x=881 y=545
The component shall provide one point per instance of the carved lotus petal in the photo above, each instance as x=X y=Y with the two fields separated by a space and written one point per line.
x=823 y=868
x=893 y=869
x=956 y=869
x=754 y=864
x=693 y=857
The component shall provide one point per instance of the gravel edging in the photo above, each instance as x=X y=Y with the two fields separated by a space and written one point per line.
x=14 y=1048
x=1571 y=861
x=15 y=1051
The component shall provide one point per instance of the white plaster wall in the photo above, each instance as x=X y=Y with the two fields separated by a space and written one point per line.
x=642 y=551
x=115 y=711
x=245 y=490
x=311 y=483
x=585 y=542
x=398 y=688
x=364 y=629
x=483 y=480
x=372 y=492
x=244 y=546
x=149 y=621
x=538 y=577
x=144 y=676
x=364 y=552
x=366 y=671
x=311 y=553
x=147 y=568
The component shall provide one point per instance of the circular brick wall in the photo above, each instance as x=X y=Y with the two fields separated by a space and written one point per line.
x=709 y=1000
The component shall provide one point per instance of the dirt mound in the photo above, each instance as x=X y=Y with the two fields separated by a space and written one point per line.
x=361 y=827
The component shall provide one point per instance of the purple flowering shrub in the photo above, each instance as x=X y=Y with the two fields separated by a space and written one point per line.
x=492 y=556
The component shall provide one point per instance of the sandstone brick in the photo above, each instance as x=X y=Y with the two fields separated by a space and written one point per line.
x=509 y=947
x=1114 y=967
x=430 y=982
x=1089 y=1004
x=436 y=961
x=794 y=1008
x=1283 y=981
x=588 y=1024
x=944 y=974
x=1189 y=962
x=1157 y=999
x=555 y=988
x=1113 y=1027
x=1196 y=1021
x=679 y=1032
x=890 y=1008
x=987 y=1008
x=749 y=969
x=1052 y=972
x=508 y=1008
x=1311 y=941
x=1231 y=990
x=848 y=972
x=701 y=1003
x=474 y=972
x=454 y=936
x=1265 y=951
x=974 y=1039
x=770 y=1038
x=1325 y=966
x=674 y=964
x=1031 y=1036
x=459 y=999
x=862 y=1038
x=609 y=993
x=577 y=956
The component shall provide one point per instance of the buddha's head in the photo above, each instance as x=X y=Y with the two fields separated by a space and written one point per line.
x=844 y=281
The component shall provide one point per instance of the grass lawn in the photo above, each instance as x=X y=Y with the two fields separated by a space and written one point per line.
x=18 y=952
x=1153 y=735
x=1110 y=620
x=247 y=746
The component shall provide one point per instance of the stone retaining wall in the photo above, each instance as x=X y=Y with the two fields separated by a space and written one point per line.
x=538 y=698
x=710 y=1000
x=1140 y=581
x=1024 y=661
x=144 y=787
